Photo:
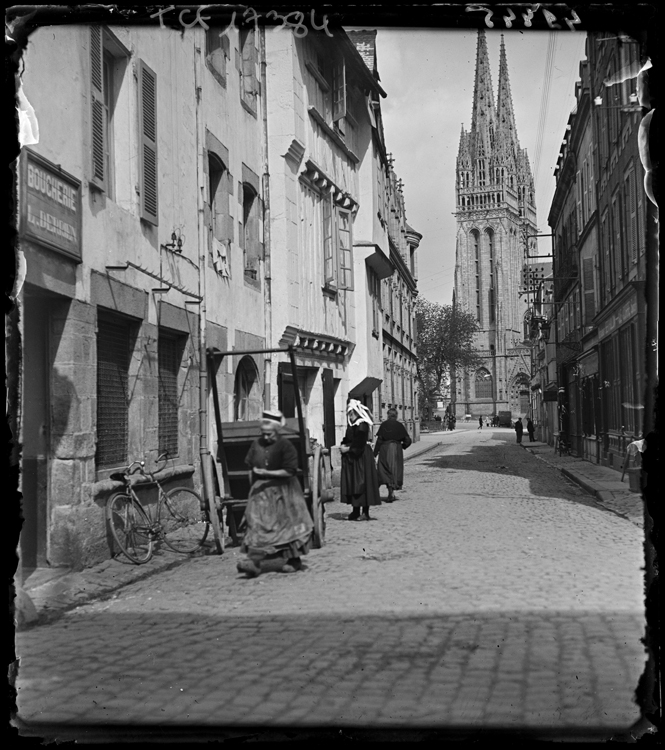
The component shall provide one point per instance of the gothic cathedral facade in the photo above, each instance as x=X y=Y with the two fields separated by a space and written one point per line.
x=496 y=215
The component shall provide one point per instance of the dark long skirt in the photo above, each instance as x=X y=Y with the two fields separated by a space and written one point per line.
x=390 y=466
x=359 y=480
x=278 y=521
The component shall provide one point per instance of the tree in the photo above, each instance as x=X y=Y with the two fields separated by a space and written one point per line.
x=445 y=341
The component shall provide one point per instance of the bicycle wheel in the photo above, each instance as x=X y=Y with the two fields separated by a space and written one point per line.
x=130 y=527
x=183 y=520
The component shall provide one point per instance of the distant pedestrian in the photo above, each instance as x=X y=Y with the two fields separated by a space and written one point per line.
x=530 y=429
x=480 y=423
x=359 y=480
x=519 y=429
x=392 y=440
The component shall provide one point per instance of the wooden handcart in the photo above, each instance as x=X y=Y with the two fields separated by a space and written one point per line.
x=233 y=442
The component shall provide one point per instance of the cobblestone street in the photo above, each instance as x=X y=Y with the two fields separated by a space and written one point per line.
x=492 y=593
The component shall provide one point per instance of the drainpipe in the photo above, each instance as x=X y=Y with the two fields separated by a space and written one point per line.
x=265 y=184
x=204 y=451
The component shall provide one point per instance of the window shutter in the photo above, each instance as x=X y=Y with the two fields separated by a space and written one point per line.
x=98 y=113
x=589 y=292
x=148 y=144
x=253 y=247
x=592 y=185
x=339 y=91
x=329 y=266
x=344 y=250
x=249 y=54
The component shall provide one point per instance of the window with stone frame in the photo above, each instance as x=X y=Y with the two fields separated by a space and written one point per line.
x=217 y=53
x=247 y=65
x=220 y=222
x=331 y=95
x=483 y=383
x=250 y=232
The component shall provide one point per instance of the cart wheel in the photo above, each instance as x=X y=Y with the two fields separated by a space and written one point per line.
x=318 y=508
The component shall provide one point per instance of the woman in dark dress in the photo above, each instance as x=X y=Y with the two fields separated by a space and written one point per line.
x=359 y=480
x=391 y=441
x=278 y=522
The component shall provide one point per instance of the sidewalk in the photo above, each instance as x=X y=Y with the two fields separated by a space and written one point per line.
x=47 y=593
x=603 y=483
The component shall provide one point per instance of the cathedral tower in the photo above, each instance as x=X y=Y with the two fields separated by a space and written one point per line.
x=496 y=212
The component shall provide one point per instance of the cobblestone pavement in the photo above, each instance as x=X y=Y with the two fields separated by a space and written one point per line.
x=493 y=593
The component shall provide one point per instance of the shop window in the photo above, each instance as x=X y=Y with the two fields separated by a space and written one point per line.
x=115 y=339
x=170 y=352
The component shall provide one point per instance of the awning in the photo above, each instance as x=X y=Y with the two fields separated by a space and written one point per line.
x=375 y=258
x=365 y=387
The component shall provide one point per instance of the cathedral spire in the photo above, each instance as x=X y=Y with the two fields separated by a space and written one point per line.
x=504 y=106
x=483 y=115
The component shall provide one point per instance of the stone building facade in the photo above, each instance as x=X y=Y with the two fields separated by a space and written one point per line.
x=599 y=219
x=496 y=216
x=207 y=189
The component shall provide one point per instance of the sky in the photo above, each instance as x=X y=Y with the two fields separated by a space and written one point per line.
x=428 y=76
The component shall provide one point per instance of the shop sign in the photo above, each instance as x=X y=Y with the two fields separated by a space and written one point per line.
x=589 y=364
x=627 y=311
x=550 y=396
x=50 y=206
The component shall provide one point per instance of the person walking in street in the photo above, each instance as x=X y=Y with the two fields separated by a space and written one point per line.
x=392 y=440
x=359 y=479
x=530 y=429
x=519 y=429
x=480 y=423
x=278 y=521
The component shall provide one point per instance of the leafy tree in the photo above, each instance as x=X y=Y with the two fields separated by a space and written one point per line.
x=445 y=341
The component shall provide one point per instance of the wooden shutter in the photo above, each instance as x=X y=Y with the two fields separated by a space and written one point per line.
x=98 y=111
x=339 y=90
x=589 y=291
x=344 y=250
x=148 y=144
x=249 y=54
x=329 y=264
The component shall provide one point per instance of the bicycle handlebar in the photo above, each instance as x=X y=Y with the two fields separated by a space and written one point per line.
x=139 y=467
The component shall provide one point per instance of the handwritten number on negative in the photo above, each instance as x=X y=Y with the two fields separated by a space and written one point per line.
x=483 y=9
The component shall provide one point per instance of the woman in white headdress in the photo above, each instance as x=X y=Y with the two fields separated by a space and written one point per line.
x=278 y=521
x=359 y=480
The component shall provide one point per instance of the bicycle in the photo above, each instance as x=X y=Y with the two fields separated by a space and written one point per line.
x=177 y=518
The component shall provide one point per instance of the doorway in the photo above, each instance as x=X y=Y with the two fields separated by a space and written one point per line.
x=35 y=428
